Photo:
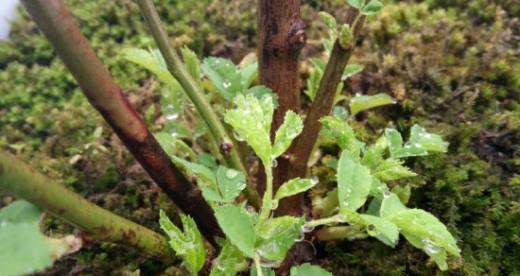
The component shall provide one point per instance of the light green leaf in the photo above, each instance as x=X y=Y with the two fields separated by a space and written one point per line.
x=277 y=235
x=354 y=182
x=437 y=254
x=358 y=4
x=430 y=142
x=192 y=63
x=230 y=183
x=291 y=127
x=382 y=229
x=328 y=19
x=24 y=249
x=361 y=103
x=153 y=61
x=251 y=121
x=188 y=244
x=351 y=70
x=392 y=169
x=265 y=271
x=249 y=74
x=345 y=36
x=293 y=187
x=313 y=83
x=374 y=154
x=201 y=172
x=238 y=226
x=391 y=205
x=224 y=75
x=260 y=91
x=428 y=228
x=340 y=132
x=229 y=262
x=309 y=270
x=372 y=8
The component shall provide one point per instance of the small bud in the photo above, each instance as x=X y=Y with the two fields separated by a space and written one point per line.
x=345 y=36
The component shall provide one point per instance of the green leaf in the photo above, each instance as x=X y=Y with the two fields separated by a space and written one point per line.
x=293 y=187
x=309 y=270
x=260 y=91
x=391 y=205
x=265 y=271
x=24 y=248
x=361 y=103
x=251 y=121
x=230 y=183
x=238 y=226
x=430 y=142
x=192 y=62
x=372 y=8
x=229 y=262
x=249 y=73
x=392 y=169
x=224 y=75
x=188 y=244
x=374 y=154
x=340 y=132
x=354 y=182
x=291 y=127
x=153 y=61
x=358 y=4
x=351 y=70
x=328 y=19
x=277 y=235
x=428 y=228
x=201 y=172
x=382 y=229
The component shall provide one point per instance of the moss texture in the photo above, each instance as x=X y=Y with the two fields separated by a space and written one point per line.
x=453 y=66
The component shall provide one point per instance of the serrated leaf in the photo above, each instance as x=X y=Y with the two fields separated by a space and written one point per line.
x=328 y=19
x=351 y=70
x=249 y=74
x=362 y=103
x=238 y=227
x=251 y=120
x=420 y=143
x=358 y=4
x=309 y=270
x=277 y=235
x=340 y=132
x=291 y=127
x=382 y=229
x=427 y=227
x=229 y=262
x=392 y=169
x=354 y=182
x=224 y=75
x=192 y=63
x=313 y=83
x=372 y=8
x=345 y=36
x=24 y=248
x=293 y=187
x=187 y=244
x=230 y=183
x=261 y=91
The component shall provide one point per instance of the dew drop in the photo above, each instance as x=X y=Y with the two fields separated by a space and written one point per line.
x=172 y=117
x=315 y=180
x=274 y=164
x=307 y=229
x=300 y=238
x=371 y=230
x=231 y=173
x=226 y=84
x=238 y=137
x=387 y=194
x=430 y=247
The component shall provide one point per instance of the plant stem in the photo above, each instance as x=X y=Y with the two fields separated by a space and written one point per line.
x=267 y=201
x=324 y=221
x=195 y=93
x=258 y=265
x=62 y=31
x=341 y=233
x=23 y=182
x=322 y=105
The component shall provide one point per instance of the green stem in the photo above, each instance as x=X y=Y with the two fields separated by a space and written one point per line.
x=20 y=180
x=258 y=265
x=341 y=233
x=195 y=93
x=324 y=221
x=267 y=201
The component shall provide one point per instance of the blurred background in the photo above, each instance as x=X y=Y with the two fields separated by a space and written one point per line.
x=452 y=65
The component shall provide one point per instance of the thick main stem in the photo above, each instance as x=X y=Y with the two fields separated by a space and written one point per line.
x=60 y=28
x=195 y=93
x=23 y=182
x=281 y=37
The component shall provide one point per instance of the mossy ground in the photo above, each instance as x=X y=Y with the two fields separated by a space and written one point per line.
x=453 y=66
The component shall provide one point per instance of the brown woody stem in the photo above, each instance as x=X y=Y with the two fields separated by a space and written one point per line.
x=60 y=28
x=23 y=182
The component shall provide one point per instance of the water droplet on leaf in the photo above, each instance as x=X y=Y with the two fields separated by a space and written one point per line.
x=274 y=164
x=231 y=173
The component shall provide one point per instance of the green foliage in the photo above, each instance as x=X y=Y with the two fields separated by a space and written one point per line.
x=360 y=103
x=238 y=226
x=187 y=244
x=354 y=182
x=309 y=270
x=25 y=249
